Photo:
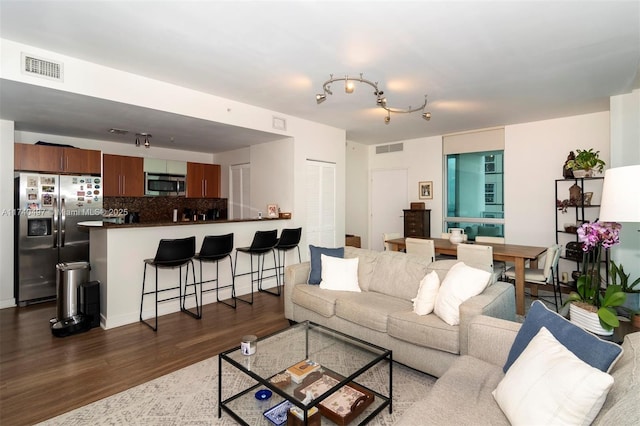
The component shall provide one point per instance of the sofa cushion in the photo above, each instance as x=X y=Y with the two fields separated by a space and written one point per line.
x=461 y=283
x=315 y=274
x=366 y=264
x=548 y=384
x=441 y=267
x=622 y=406
x=425 y=300
x=594 y=351
x=339 y=274
x=315 y=299
x=428 y=331
x=398 y=274
x=369 y=309
x=462 y=396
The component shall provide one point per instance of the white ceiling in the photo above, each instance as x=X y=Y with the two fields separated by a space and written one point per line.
x=481 y=63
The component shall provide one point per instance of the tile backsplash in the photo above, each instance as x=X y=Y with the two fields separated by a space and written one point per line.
x=160 y=209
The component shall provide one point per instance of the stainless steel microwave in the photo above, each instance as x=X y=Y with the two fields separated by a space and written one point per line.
x=158 y=184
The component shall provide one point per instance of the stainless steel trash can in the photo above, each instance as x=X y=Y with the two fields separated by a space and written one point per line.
x=69 y=276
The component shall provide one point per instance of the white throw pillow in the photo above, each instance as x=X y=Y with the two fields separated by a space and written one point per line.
x=425 y=301
x=548 y=384
x=339 y=274
x=461 y=283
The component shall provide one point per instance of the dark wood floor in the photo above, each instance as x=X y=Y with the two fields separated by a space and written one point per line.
x=42 y=376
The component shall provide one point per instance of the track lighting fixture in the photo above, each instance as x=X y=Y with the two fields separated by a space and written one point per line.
x=381 y=101
x=146 y=137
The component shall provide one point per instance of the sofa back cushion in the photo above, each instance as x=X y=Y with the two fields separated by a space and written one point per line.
x=366 y=263
x=622 y=406
x=398 y=274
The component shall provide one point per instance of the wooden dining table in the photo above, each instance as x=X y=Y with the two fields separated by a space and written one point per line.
x=505 y=252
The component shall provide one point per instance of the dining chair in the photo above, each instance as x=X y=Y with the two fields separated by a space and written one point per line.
x=389 y=236
x=542 y=277
x=421 y=247
x=477 y=256
x=499 y=267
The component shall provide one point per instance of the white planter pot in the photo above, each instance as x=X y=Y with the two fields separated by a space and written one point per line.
x=587 y=320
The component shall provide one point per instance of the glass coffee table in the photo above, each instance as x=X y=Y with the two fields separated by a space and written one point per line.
x=346 y=380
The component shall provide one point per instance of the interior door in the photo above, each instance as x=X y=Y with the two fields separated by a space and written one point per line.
x=388 y=199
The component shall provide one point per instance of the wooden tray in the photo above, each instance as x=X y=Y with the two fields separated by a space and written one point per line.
x=343 y=405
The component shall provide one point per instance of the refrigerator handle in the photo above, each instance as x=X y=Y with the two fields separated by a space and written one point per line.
x=55 y=222
x=63 y=220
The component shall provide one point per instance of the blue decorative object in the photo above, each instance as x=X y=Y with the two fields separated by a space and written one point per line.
x=594 y=351
x=278 y=414
x=315 y=276
x=263 y=394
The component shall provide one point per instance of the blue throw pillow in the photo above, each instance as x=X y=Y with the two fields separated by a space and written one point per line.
x=594 y=351
x=315 y=276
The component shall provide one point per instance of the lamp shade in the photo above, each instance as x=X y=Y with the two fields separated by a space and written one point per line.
x=620 y=200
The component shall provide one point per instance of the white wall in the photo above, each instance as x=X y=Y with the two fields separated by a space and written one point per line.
x=357 y=200
x=423 y=160
x=534 y=156
x=6 y=217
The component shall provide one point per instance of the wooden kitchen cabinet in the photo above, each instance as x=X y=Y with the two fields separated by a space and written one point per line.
x=122 y=176
x=54 y=159
x=417 y=223
x=203 y=180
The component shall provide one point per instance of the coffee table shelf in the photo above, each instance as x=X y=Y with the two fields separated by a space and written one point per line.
x=342 y=355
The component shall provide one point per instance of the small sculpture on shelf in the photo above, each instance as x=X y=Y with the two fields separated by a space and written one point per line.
x=575 y=195
x=567 y=173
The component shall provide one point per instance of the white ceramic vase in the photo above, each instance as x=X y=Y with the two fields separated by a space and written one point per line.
x=456 y=236
x=587 y=320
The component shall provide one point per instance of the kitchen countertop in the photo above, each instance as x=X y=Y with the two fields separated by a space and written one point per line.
x=97 y=223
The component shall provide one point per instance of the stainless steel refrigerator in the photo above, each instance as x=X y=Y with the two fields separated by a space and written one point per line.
x=48 y=209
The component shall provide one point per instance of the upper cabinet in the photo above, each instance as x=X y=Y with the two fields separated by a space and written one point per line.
x=203 y=180
x=172 y=167
x=123 y=176
x=54 y=159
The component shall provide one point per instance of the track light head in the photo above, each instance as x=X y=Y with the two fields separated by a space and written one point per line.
x=387 y=119
x=349 y=86
x=137 y=141
x=320 y=98
x=426 y=116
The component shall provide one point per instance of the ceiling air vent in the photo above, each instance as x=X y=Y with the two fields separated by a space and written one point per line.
x=41 y=67
x=394 y=147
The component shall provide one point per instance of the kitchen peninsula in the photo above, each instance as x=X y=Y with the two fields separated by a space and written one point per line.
x=117 y=254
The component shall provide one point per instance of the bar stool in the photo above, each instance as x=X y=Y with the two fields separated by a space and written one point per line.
x=216 y=248
x=263 y=243
x=172 y=254
x=289 y=239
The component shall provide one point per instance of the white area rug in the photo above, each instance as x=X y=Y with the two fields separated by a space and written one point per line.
x=190 y=397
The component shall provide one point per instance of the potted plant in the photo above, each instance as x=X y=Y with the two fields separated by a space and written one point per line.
x=589 y=307
x=585 y=163
x=632 y=290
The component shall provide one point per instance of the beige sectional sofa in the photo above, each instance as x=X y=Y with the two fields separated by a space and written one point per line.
x=383 y=312
x=462 y=396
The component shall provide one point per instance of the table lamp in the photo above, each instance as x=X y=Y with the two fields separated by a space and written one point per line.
x=620 y=200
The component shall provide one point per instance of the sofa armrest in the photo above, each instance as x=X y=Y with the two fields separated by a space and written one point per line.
x=490 y=339
x=498 y=301
x=294 y=274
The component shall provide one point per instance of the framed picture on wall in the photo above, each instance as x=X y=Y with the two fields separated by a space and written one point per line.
x=272 y=210
x=425 y=190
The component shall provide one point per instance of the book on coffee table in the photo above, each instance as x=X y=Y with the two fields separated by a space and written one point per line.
x=302 y=369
